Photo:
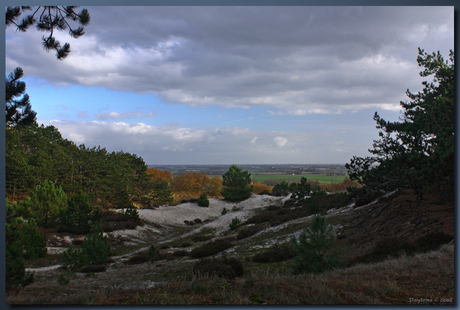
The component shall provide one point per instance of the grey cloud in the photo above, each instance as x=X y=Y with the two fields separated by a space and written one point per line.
x=322 y=59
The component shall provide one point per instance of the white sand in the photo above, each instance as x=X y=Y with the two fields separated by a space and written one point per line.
x=176 y=215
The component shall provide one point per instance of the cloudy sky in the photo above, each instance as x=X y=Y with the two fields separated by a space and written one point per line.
x=231 y=85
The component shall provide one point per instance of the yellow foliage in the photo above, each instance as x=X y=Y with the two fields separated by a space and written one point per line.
x=157 y=175
x=259 y=188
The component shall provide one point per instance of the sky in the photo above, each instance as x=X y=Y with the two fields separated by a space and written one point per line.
x=231 y=85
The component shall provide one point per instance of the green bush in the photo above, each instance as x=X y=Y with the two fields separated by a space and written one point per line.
x=15 y=273
x=228 y=268
x=131 y=214
x=236 y=222
x=224 y=211
x=79 y=215
x=95 y=250
x=315 y=252
x=150 y=255
x=249 y=231
x=303 y=190
x=33 y=241
x=96 y=247
x=203 y=201
x=211 y=248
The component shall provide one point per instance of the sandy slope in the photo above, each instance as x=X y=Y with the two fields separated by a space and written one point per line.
x=176 y=215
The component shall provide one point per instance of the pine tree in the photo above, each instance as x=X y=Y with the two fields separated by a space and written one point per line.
x=418 y=151
x=237 y=184
x=50 y=18
x=18 y=111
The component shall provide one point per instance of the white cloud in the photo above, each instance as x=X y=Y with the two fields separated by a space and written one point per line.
x=280 y=141
x=172 y=144
x=126 y=115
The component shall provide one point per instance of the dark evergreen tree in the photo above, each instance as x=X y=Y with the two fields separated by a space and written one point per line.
x=18 y=108
x=14 y=246
x=79 y=215
x=303 y=190
x=161 y=193
x=418 y=151
x=50 y=18
x=237 y=184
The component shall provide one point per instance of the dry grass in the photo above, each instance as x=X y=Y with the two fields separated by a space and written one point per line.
x=405 y=280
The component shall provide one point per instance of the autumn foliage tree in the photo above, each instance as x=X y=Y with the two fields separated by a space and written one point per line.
x=157 y=175
x=190 y=182
x=261 y=188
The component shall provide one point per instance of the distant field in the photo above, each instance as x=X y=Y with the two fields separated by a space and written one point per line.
x=322 y=179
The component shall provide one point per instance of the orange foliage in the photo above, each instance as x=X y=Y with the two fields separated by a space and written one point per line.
x=191 y=182
x=157 y=175
x=214 y=187
x=259 y=188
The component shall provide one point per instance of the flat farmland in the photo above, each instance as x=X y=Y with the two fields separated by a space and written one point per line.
x=322 y=179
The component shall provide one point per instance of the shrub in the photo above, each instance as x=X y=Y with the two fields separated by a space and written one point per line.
x=95 y=250
x=79 y=215
x=112 y=216
x=235 y=208
x=201 y=238
x=185 y=245
x=228 y=268
x=14 y=261
x=364 y=196
x=62 y=280
x=73 y=259
x=203 y=200
x=130 y=225
x=211 y=248
x=303 y=190
x=261 y=189
x=154 y=254
x=93 y=268
x=34 y=243
x=248 y=231
x=180 y=253
x=96 y=247
x=131 y=214
x=313 y=207
x=236 y=222
x=275 y=254
x=224 y=211
x=150 y=255
x=139 y=258
x=315 y=250
x=197 y=221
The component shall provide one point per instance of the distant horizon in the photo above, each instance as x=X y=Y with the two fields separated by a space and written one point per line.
x=323 y=164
